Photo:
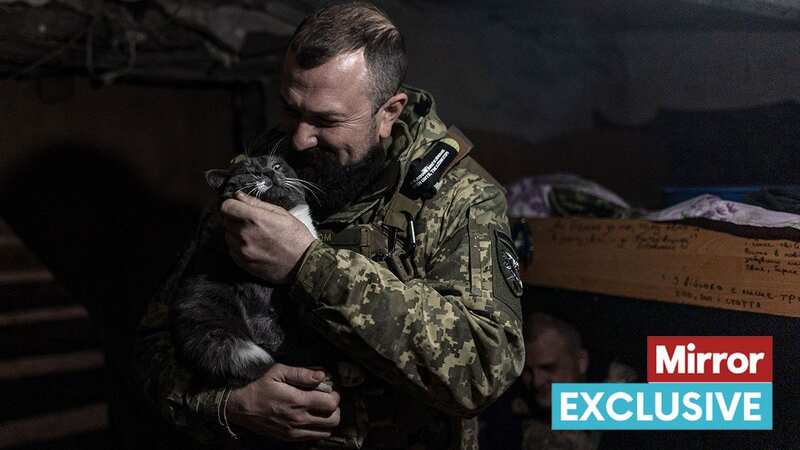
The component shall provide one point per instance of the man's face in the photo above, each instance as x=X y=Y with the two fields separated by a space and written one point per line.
x=329 y=108
x=335 y=132
x=549 y=360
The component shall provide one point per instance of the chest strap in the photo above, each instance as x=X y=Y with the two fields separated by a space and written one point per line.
x=407 y=201
x=394 y=243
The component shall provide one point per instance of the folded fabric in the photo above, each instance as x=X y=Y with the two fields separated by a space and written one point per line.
x=714 y=208
x=566 y=202
x=563 y=195
x=566 y=195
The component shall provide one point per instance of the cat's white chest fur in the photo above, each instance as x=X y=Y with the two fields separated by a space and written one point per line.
x=303 y=213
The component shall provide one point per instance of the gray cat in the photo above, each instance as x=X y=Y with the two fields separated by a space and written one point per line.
x=228 y=325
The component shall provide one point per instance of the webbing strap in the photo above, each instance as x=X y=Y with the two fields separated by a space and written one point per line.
x=402 y=207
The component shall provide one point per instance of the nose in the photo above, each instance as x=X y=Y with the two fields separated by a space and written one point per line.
x=304 y=136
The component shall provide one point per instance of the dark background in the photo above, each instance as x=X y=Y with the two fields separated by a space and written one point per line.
x=101 y=166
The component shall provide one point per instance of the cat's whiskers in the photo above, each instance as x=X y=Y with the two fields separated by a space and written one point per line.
x=297 y=186
x=313 y=190
x=255 y=183
x=259 y=185
x=259 y=141
x=274 y=148
x=263 y=187
x=293 y=187
x=252 y=173
x=307 y=184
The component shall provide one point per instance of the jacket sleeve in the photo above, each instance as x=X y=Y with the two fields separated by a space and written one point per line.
x=165 y=383
x=453 y=337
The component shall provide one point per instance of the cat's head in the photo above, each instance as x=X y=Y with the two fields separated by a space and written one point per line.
x=267 y=177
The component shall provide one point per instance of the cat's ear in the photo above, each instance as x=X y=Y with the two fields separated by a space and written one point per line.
x=216 y=178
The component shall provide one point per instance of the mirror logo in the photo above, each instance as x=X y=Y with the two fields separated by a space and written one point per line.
x=694 y=383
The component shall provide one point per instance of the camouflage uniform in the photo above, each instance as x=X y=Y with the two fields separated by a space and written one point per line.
x=436 y=348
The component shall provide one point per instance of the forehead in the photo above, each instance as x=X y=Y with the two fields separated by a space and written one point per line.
x=339 y=85
x=549 y=346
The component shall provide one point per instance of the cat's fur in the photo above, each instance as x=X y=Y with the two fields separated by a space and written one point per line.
x=226 y=323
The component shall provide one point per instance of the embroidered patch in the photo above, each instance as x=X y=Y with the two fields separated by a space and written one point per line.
x=508 y=263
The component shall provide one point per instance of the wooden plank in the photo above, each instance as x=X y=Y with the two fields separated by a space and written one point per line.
x=40 y=365
x=666 y=262
x=38 y=315
x=32 y=295
x=47 y=338
x=25 y=276
x=15 y=256
x=54 y=425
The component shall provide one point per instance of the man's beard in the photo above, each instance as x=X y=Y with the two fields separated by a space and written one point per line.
x=340 y=184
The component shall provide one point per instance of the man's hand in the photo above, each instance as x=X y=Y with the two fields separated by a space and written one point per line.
x=264 y=239
x=283 y=404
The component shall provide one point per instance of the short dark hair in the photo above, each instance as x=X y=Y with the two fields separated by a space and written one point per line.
x=349 y=27
x=536 y=324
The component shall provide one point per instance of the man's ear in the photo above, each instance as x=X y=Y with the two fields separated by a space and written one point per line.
x=390 y=112
x=216 y=178
x=583 y=361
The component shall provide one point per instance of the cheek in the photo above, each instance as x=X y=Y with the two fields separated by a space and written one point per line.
x=347 y=145
x=567 y=374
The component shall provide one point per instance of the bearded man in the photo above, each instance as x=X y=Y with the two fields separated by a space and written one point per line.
x=415 y=286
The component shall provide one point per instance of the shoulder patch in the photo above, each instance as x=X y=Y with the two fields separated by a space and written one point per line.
x=507 y=262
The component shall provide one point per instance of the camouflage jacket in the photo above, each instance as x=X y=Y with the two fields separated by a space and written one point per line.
x=436 y=349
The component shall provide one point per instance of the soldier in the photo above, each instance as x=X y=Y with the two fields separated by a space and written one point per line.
x=413 y=282
x=555 y=354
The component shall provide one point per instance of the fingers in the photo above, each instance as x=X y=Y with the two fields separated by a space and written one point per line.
x=316 y=401
x=256 y=203
x=321 y=403
x=246 y=208
x=306 y=435
x=302 y=377
x=233 y=208
x=290 y=432
x=233 y=240
x=273 y=407
x=319 y=422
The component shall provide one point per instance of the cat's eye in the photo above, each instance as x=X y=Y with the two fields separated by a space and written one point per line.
x=276 y=166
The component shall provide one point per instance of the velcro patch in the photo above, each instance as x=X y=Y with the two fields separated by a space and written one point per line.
x=508 y=263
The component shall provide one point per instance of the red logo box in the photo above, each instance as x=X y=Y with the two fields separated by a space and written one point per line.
x=742 y=359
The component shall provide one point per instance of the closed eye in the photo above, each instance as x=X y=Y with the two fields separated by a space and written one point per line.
x=323 y=121
x=319 y=119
